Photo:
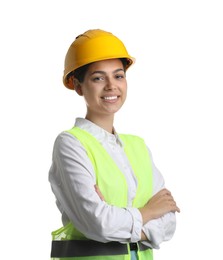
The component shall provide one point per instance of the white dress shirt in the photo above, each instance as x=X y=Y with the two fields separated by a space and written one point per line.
x=72 y=180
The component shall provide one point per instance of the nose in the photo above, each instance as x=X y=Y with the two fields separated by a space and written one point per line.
x=110 y=84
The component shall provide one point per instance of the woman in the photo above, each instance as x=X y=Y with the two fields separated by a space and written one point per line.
x=111 y=196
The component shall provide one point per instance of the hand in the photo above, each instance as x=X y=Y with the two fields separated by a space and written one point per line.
x=99 y=192
x=160 y=204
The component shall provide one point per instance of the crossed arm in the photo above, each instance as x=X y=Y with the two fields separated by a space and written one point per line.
x=159 y=205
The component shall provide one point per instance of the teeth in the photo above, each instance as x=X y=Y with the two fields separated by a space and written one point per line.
x=110 y=98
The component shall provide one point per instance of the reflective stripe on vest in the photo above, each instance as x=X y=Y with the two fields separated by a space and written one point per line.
x=112 y=184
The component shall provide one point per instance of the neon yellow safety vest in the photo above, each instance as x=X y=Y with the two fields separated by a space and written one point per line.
x=68 y=243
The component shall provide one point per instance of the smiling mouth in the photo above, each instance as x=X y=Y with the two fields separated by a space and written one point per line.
x=110 y=98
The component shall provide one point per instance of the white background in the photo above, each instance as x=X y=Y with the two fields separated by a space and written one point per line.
x=174 y=102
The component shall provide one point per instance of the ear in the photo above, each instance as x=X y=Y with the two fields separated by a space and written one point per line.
x=77 y=87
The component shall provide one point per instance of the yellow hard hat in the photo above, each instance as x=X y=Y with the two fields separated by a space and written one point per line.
x=93 y=45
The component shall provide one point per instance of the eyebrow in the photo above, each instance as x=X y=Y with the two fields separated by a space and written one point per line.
x=103 y=72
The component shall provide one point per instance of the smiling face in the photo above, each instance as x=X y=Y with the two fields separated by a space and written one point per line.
x=104 y=89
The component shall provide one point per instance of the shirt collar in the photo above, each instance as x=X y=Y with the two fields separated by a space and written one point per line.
x=99 y=133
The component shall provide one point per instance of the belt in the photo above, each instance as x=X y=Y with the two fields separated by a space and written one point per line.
x=133 y=246
x=78 y=248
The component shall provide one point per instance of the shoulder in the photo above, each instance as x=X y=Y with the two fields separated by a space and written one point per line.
x=66 y=142
x=65 y=137
x=131 y=138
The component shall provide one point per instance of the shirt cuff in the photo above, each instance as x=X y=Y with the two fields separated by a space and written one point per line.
x=160 y=230
x=136 y=224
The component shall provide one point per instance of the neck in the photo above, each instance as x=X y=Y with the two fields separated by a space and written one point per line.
x=105 y=122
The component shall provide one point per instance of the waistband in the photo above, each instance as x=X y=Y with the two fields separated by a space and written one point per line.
x=78 y=248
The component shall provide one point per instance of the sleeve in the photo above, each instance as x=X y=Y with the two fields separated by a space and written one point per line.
x=161 y=229
x=72 y=180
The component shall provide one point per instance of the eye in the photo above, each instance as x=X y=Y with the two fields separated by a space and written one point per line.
x=98 y=78
x=120 y=76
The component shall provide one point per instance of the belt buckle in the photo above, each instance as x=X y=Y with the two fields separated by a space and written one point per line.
x=133 y=246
